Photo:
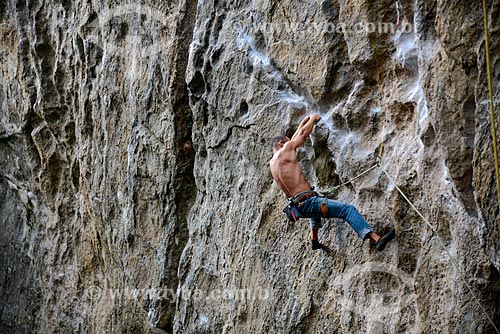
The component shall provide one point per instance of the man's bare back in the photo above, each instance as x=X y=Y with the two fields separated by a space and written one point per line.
x=284 y=166
x=287 y=172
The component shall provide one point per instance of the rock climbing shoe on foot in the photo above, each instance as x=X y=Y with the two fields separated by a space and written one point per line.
x=385 y=240
x=315 y=244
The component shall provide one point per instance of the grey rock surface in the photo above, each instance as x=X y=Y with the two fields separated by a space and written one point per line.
x=135 y=192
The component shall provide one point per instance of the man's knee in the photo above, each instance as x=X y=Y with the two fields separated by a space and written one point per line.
x=349 y=209
x=315 y=223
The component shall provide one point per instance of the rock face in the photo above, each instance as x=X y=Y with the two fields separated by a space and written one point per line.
x=135 y=189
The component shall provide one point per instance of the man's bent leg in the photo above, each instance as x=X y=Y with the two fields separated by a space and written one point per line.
x=317 y=207
x=349 y=213
x=315 y=224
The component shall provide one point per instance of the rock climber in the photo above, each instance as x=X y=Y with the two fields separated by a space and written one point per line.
x=304 y=202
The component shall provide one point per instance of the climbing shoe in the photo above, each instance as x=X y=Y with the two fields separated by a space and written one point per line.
x=315 y=244
x=385 y=240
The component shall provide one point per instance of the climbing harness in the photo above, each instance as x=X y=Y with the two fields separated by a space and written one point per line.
x=291 y=209
x=490 y=89
x=302 y=196
x=292 y=212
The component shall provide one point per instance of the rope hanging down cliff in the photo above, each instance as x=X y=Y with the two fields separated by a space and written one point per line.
x=453 y=261
x=412 y=205
x=490 y=90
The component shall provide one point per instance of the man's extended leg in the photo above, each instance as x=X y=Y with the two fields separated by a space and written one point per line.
x=335 y=209
x=318 y=207
x=349 y=213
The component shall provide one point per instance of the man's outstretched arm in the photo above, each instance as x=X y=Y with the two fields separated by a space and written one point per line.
x=304 y=130
x=301 y=125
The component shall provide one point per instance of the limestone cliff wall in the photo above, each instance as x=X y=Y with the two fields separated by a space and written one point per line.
x=135 y=190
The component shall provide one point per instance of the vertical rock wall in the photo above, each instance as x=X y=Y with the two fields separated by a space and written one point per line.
x=135 y=191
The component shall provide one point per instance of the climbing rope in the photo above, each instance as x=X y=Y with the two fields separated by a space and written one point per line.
x=332 y=190
x=398 y=7
x=382 y=139
x=490 y=89
x=455 y=263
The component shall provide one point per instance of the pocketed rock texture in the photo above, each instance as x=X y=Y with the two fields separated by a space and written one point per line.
x=135 y=191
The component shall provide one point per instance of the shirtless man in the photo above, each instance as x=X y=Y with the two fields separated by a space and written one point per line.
x=288 y=174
